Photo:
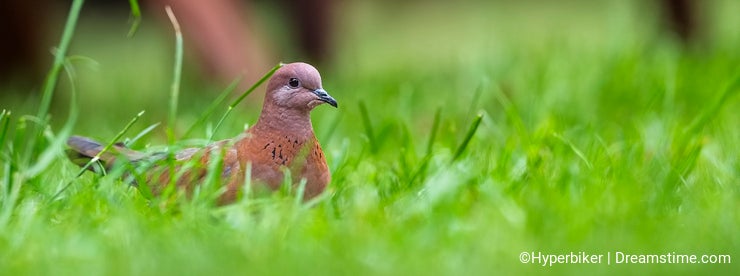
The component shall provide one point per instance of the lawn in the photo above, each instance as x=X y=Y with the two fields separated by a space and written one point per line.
x=467 y=136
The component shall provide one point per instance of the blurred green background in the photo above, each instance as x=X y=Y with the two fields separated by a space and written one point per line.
x=381 y=43
x=601 y=131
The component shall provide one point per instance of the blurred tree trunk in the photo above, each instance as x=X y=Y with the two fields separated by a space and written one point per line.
x=22 y=29
x=682 y=19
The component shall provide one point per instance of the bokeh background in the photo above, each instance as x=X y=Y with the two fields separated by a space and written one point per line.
x=359 y=41
x=605 y=126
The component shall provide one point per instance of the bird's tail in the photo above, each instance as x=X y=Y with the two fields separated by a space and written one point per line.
x=82 y=150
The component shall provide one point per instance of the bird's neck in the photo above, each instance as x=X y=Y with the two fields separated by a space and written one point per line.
x=285 y=122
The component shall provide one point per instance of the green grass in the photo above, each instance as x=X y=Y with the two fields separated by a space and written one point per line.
x=458 y=144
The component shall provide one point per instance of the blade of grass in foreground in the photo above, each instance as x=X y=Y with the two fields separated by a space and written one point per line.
x=209 y=110
x=177 y=73
x=49 y=155
x=174 y=95
x=244 y=95
x=433 y=133
x=97 y=156
x=141 y=134
x=575 y=149
x=332 y=128
x=689 y=144
x=136 y=14
x=113 y=141
x=471 y=131
x=51 y=78
x=512 y=112
x=11 y=196
x=729 y=90
x=368 y=126
x=421 y=169
x=475 y=100
x=4 y=126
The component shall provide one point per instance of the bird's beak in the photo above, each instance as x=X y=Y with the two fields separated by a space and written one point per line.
x=324 y=97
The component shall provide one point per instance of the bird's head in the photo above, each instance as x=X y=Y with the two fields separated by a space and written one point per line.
x=297 y=86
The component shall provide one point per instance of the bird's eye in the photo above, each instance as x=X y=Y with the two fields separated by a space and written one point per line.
x=294 y=82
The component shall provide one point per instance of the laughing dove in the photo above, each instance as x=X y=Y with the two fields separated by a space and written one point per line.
x=282 y=139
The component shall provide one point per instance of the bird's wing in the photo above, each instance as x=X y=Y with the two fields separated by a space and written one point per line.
x=82 y=150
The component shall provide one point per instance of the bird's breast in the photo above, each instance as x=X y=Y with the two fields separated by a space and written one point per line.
x=270 y=155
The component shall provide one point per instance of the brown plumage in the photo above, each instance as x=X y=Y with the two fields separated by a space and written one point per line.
x=282 y=139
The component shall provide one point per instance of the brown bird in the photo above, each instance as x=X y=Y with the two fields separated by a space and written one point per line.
x=282 y=139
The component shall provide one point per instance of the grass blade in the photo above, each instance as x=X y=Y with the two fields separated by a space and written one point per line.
x=512 y=112
x=11 y=198
x=4 y=126
x=177 y=73
x=300 y=191
x=5 y=183
x=141 y=134
x=209 y=110
x=368 y=127
x=114 y=140
x=705 y=117
x=244 y=95
x=59 y=59
x=689 y=144
x=421 y=169
x=53 y=76
x=575 y=149
x=471 y=131
x=212 y=186
x=50 y=153
x=332 y=128
x=174 y=94
x=136 y=15
x=433 y=134
x=97 y=156
x=475 y=100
